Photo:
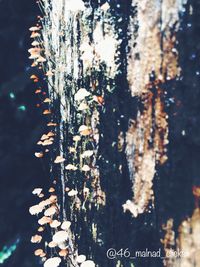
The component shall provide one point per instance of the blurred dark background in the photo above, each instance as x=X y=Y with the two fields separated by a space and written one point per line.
x=20 y=128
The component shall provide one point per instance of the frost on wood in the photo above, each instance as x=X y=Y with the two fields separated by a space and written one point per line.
x=153 y=59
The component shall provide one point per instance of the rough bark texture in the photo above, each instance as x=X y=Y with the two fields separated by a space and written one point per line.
x=126 y=56
x=84 y=57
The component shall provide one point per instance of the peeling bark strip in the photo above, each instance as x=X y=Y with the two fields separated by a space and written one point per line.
x=152 y=60
x=185 y=250
x=189 y=241
x=153 y=47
